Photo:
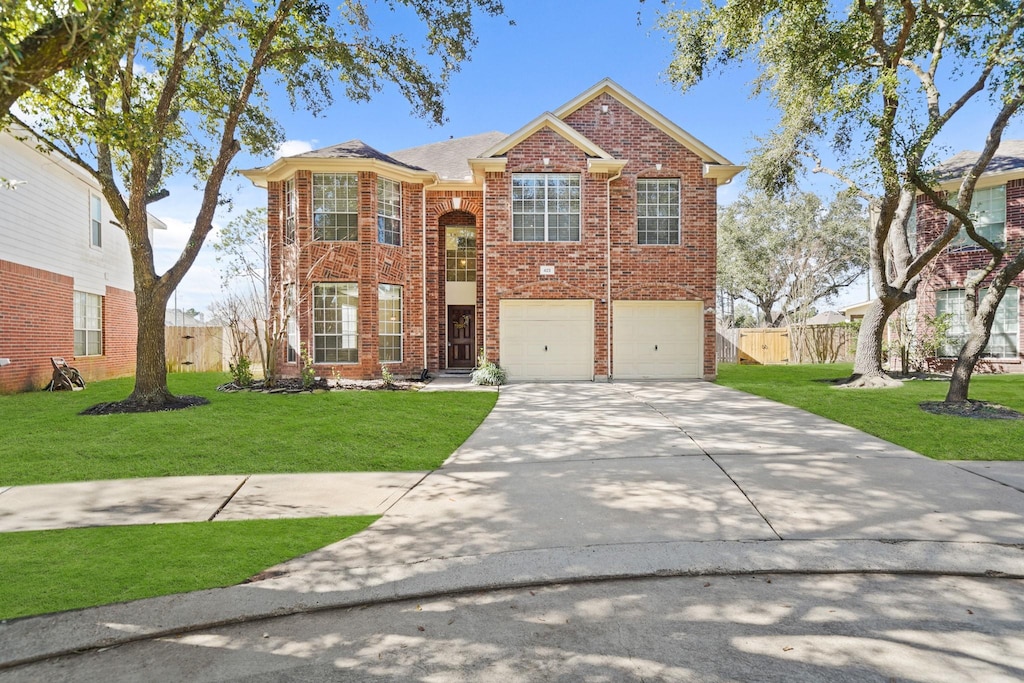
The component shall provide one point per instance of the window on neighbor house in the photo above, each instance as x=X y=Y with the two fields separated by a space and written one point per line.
x=389 y=211
x=460 y=254
x=988 y=210
x=546 y=207
x=95 y=221
x=88 y=324
x=1004 y=341
x=336 y=322
x=657 y=211
x=290 y=210
x=335 y=207
x=389 y=323
x=291 y=310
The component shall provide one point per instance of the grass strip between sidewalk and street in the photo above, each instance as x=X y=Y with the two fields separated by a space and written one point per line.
x=54 y=571
x=43 y=439
x=893 y=414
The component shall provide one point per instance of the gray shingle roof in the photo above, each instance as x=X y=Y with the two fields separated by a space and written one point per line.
x=448 y=158
x=354 y=149
x=1009 y=157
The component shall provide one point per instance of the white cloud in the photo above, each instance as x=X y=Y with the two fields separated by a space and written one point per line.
x=292 y=147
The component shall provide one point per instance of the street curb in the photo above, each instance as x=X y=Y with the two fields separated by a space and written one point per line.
x=32 y=639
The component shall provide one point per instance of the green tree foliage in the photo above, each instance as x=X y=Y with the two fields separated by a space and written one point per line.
x=873 y=84
x=783 y=255
x=40 y=39
x=184 y=85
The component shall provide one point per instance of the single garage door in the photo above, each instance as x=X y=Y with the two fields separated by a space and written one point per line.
x=657 y=339
x=547 y=339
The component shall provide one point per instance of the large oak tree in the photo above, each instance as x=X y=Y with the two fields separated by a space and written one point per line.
x=873 y=84
x=186 y=84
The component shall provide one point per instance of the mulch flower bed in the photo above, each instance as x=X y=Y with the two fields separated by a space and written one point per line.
x=293 y=385
x=981 y=410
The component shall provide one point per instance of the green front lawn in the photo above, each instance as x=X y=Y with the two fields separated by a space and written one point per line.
x=54 y=571
x=43 y=439
x=893 y=414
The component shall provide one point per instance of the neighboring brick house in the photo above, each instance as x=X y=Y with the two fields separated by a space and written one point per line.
x=580 y=247
x=998 y=211
x=65 y=271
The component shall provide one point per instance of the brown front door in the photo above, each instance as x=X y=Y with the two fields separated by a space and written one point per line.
x=461 y=336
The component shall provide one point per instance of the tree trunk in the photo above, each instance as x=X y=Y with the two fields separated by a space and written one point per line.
x=867 y=364
x=979 y=330
x=151 y=392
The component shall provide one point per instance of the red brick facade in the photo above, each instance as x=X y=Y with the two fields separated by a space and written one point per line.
x=606 y=265
x=37 y=322
x=950 y=268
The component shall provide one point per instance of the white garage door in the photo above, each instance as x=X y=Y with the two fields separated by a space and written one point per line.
x=547 y=339
x=657 y=339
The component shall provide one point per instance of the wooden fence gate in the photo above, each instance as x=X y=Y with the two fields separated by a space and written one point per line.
x=197 y=349
x=768 y=346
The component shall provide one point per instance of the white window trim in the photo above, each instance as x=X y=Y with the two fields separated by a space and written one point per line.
x=95 y=221
x=401 y=324
x=961 y=241
x=548 y=228
x=341 y=322
x=678 y=217
x=355 y=205
x=81 y=322
x=290 y=211
x=960 y=332
x=389 y=208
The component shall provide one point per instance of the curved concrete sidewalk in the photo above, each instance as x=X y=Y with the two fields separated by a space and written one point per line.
x=572 y=482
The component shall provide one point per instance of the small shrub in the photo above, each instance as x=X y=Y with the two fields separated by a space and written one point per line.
x=386 y=376
x=308 y=376
x=241 y=372
x=488 y=373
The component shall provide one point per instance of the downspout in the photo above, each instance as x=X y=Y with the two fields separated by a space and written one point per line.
x=608 y=275
x=484 y=233
x=423 y=279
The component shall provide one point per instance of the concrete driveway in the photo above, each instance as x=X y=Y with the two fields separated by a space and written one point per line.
x=566 y=483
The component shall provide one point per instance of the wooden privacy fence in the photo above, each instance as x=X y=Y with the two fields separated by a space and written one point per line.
x=778 y=345
x=197 y=349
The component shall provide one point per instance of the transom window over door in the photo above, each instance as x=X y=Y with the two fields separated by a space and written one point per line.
x=460 y=253
x=335 y=207
x=546 y=207
x=657 y=211
x=336 y=322
x=389 y=211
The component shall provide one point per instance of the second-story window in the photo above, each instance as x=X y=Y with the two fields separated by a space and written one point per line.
x=95 y=221
x=335 y=207
x=546 y=207
x=988 y=211
x=290 y=202
x=389 y=211
x=657 y=211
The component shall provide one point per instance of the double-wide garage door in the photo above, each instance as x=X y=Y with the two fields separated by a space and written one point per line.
x=657 y=339
x=553 y=339
x=547 y=339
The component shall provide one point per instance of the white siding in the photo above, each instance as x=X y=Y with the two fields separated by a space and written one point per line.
x=44 y=223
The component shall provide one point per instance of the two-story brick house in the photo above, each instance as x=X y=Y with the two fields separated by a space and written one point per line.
x=581 y=246
x=66 y=286
x=998 y=212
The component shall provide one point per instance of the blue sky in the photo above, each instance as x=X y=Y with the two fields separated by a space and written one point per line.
x=554 y=51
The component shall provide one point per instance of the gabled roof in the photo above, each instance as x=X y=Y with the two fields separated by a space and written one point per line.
x=715 y=165
x=448 y=158
x=1006 y=164
x=609 y=87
